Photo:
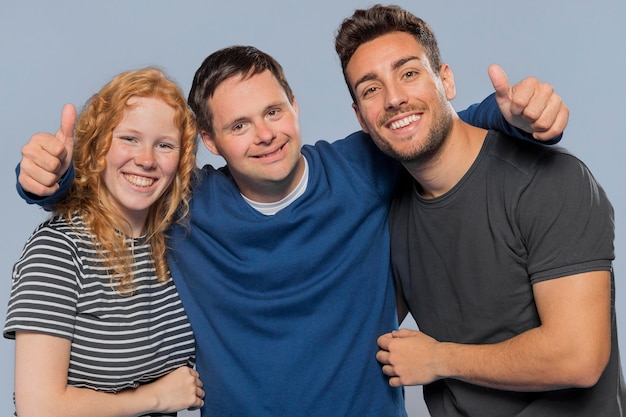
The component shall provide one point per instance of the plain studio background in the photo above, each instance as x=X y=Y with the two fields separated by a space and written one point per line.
x=52 y=53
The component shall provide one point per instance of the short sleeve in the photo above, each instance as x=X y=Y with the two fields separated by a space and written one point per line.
x=44 y=291
x=566 y=219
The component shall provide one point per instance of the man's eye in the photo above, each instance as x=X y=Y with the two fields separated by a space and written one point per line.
x=369 y=91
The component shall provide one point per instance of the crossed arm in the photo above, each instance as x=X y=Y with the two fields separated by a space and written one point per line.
x=570 y=348
x=41 y=366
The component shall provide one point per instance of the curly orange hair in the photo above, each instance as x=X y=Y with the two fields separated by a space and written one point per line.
x=89 y=196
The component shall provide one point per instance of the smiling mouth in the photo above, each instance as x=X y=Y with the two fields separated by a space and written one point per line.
x=139 y=181
x=405 y=121
x=267 y=155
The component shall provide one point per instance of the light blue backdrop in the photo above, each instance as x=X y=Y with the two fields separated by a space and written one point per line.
x=56 y=52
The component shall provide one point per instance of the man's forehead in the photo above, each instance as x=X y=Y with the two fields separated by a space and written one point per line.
x=386 y=52
x=242 y=97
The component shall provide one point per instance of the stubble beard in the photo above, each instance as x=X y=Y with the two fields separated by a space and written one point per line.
x=426 y=151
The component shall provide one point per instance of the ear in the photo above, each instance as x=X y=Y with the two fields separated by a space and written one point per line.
x=447 y=79
x=294 y=104
x=359 y=117
x=209 y=142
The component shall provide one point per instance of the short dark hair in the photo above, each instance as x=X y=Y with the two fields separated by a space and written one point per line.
x=223 y=64
x=368 y=24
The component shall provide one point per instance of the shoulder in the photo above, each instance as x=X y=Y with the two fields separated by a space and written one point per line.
x=58 y=236
x=356 y=149
x=354 y=142
x=530 y=158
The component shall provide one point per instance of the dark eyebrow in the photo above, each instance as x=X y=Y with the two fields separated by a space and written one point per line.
x=244 y=119
x=403 y=61
x=371 y=76
x=366 y=77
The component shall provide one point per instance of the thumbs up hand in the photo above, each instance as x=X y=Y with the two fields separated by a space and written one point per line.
x=46 y=157
x=530 y=105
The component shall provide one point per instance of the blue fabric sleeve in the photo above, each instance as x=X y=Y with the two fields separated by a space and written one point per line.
x=487 y=115
x=48 y=201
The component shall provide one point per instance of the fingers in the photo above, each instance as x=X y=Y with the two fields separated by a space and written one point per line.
x=384 y=340
x=395 y=382
x=197 y=401
x=530 y=97
x=539 y=105
x=198 y=383
x=552 y=120
x=40 y=165
x=37 y=184
x=394 y=379
x=403 y=333
x=199 y=392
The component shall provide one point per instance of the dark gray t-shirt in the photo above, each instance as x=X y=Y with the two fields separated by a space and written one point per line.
x=466 y=261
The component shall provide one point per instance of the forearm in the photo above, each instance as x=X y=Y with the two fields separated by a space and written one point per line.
x=531 y=361
x=84 y=402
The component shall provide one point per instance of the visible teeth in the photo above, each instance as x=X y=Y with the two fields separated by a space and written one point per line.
x=139 y=181
x=404 y=122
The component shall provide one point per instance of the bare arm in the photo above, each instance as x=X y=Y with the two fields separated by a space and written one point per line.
x=570 y=348
x=41 y=367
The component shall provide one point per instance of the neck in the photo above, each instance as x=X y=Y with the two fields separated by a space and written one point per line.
x=272 y=191
x=443 y=171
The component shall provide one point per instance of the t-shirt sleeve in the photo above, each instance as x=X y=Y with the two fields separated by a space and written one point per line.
x=487 y=115
x=566 y=219
x=44 y=292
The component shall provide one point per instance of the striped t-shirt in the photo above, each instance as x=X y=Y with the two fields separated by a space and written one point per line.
x=61 y=287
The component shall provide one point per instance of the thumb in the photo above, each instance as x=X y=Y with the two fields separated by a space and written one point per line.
x=66 y=135
x=68 y=121
x=500 y=82
x=66 y=132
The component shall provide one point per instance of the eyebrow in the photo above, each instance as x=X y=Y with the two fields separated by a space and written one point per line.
x=244 y=119
x=371 y=76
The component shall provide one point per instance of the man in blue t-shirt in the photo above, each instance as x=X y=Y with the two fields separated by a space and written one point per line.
x=284 y=265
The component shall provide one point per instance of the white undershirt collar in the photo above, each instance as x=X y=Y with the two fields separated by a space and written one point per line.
x=270 y=209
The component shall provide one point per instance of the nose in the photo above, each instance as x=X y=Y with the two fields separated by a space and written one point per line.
x=395 y=97
x=264 y=132
x=145 y=157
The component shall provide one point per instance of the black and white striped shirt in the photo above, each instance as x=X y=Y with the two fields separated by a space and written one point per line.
x=61 y=287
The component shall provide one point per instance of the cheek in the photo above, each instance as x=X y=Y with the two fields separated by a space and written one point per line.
x=116 y=156
x=169 y=165
x=369 y=117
